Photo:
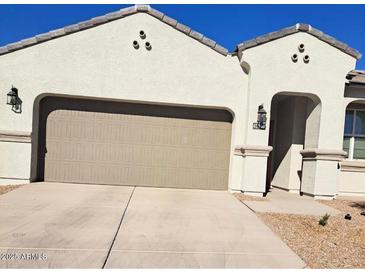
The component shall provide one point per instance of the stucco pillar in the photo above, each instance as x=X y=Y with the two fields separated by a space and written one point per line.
x=254 y=168
x=15 y=155
x=321 y=171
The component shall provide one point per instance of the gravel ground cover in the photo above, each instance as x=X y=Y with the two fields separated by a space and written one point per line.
x=242 y=197
x=8 y=188
x=339 y=244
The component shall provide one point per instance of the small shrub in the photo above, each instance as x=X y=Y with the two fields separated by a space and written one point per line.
x=324 y=219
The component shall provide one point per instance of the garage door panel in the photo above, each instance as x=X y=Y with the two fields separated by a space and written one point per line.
x=139 y=155
x=123 y=149
x=137 y=134
x=137 y=175
x=159 y=134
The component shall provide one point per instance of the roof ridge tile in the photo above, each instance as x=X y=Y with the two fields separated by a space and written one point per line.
x=72 y=28
x=43 y=37
x=57 y=33
x=185 y=29
x=196 y=35
x=85 y=24
x=29 y=41
x=209 y=42
x=156 y=13
x=114 y=15
x=170 y=21
x=143 y=7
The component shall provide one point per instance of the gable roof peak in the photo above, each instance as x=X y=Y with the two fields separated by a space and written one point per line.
x=299 y=27
x=96 y=21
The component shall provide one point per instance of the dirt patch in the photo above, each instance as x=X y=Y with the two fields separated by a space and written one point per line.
x=8 y=188
x=339 y=244
x=243 y=197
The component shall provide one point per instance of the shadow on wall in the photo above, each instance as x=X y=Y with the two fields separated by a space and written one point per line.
x=45 y=104
x=294 y=125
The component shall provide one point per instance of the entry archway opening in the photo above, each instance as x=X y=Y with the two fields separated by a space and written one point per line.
x=294 y=126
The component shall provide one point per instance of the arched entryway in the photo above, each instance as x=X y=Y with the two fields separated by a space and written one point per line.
x=294 y=125
x=88 y=140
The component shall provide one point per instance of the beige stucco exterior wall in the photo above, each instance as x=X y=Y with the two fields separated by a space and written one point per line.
x=101 y=62
x=272 y=71
x=352 y=182
x=15 y=162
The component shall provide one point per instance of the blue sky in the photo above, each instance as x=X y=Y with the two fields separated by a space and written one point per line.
x=227 y=24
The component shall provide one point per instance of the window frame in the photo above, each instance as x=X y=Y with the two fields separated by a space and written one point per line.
x=353 y=135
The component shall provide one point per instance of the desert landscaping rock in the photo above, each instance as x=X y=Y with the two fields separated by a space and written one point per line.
x=8 y=188
x=242 y=197
x=339 y=244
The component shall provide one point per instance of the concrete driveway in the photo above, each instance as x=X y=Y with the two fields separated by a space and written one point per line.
x=90 y=226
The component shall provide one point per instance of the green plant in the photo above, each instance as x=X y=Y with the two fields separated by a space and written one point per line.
x=324 y=219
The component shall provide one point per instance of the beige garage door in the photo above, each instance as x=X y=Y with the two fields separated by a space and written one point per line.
x=123 y=149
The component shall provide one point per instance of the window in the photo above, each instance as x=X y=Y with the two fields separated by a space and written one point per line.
x=354 y=137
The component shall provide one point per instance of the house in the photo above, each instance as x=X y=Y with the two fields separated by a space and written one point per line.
x=136 y=98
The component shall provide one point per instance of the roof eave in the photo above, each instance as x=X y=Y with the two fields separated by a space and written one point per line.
x=300 y=27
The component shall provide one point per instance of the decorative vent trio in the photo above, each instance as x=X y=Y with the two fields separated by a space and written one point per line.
x=143 y=36
x=295 y=56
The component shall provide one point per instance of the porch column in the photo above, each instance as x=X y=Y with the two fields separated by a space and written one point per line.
x=254 y=168
x=321 y=170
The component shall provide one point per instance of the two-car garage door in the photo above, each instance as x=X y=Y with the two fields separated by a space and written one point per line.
x=141 y=145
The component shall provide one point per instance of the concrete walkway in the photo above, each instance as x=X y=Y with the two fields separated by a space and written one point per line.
x=280 y=201
x=88 y=226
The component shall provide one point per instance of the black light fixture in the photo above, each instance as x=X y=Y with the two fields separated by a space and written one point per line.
x=261 y=118
x=14 y=100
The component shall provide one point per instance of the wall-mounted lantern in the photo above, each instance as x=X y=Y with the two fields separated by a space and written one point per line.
x=14 y=100
x=261 y=118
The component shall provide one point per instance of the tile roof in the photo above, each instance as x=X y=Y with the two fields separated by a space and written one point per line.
x=356 y=77
x=40 y=38
x=300 y=27
x=111 y=17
